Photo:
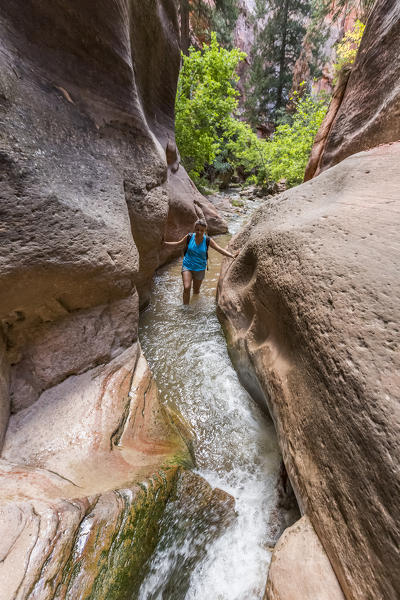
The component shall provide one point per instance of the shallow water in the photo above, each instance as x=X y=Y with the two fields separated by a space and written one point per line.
x=234 y=442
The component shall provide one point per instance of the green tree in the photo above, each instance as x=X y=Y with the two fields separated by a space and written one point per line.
x=203 y=18
x=280 y=29
x=287 y=152
x=224 y=19
x=206 y=100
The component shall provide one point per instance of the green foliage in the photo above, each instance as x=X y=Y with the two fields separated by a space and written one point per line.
x=244 y=149
x=346 y=49
x=210 y=137
x=206 y=100
x=287 y=152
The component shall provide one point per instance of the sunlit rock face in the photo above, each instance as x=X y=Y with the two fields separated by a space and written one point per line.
x=311 y=310
x=368 y=112
x=87 y=93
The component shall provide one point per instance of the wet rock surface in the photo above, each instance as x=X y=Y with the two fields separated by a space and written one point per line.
x=85 y=475
x=311 y=313
x=196 y=514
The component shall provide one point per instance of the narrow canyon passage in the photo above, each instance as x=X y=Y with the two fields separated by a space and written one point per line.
x=235 y=446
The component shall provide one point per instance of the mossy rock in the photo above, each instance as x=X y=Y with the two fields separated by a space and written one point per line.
x=115 y=539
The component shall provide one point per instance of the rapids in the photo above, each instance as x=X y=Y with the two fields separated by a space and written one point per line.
x=234 y=444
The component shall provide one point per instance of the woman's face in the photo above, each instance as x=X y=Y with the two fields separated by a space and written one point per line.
x=199 y=230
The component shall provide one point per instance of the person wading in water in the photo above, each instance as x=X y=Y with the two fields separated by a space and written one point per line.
x=195 y=259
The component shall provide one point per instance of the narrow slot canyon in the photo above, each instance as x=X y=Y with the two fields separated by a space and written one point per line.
x=234 y=446
x=244 y=446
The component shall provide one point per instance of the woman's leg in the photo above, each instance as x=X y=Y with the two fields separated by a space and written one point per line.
x=197 y=285
x=187 y=282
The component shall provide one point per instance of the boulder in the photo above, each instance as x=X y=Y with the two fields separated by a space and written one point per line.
x=311 y=312
x=300 y=569
x=195 y=516
x=367 y=114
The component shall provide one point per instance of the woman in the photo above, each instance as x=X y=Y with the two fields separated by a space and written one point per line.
x=195 y=259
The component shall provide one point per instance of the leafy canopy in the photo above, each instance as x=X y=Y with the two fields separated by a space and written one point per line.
x=287 y=152
x=210 y=137
x=206 y=99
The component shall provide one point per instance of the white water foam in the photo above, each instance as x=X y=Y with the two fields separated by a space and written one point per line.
x=235 y=444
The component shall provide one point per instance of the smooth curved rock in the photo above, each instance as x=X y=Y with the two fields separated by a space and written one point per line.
x=85 y=475
x=369 y=113
x=300 y=569
x=87 y=94
x=93 y=547
x=311 y=312
x=87 y=116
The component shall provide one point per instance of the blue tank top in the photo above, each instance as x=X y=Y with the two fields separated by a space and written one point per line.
x=195 y=258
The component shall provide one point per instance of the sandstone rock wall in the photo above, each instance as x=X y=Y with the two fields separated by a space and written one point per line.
x=4 y=390
x=369 y=112
x=87 y=156
x=87 y=103
x=311 y=311
x=85 y=474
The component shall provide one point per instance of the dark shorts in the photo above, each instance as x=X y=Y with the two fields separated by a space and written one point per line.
x=199 y=275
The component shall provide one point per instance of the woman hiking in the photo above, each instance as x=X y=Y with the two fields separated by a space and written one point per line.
x=195 y=259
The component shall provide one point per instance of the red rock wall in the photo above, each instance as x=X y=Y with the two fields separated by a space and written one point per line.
x=369 y=112
x=87 y=95
x=311 y=310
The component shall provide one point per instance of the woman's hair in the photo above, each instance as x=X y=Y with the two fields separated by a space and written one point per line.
x=201 y=223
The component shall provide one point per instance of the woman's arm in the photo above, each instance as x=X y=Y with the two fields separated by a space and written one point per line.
x=222 y=250
x=174 y=244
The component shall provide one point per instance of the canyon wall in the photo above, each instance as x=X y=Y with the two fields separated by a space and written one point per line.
x=87 y=169
x=311 y=312
x=367 y=113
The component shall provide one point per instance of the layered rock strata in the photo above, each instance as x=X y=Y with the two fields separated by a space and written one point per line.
x=85 y=475
x=311 y=312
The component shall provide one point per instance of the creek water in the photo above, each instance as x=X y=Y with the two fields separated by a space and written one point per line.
x=234 y=444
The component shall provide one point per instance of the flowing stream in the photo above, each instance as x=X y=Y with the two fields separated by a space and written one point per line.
x=235 y=444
